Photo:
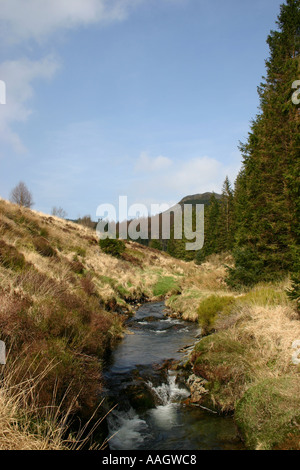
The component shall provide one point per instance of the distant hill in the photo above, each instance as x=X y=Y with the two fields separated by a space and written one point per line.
x=193 y=199
x=199 y=198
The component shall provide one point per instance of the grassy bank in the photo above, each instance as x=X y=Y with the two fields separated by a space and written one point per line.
x=245 y=359
x=63 y=302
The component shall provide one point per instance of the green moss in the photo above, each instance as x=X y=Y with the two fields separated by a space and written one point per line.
x=269 y=413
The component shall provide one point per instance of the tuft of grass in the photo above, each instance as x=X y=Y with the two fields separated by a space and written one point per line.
x=76 y=266
x=79 y=251
x=22 y=426
x=210 y=307
x=43 y=247
x=26 y=425
x=264 y=295
x=10 y=257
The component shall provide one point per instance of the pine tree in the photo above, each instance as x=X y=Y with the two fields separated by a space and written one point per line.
x=226 y=217
x=267 y=191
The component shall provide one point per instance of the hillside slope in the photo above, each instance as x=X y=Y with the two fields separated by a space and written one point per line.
x=63 y=301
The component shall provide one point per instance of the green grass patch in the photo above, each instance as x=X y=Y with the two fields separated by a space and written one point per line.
x=226 y=364
x=210 y=307
x=120 y=290
x=79 y=251
x=164 y=285
x=269 y=414
x=135 y=253
x=124 y=293
x=107 y=280
x=264 y=296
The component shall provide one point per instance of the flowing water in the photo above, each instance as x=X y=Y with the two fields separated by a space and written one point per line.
x=150 y=413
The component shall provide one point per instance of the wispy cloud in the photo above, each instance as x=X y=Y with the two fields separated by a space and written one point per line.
x=145 y=163
x=182 y=177
x=38 y=19
x=19 y=76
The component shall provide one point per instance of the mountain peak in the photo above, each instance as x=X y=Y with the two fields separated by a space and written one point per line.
x=203 y=198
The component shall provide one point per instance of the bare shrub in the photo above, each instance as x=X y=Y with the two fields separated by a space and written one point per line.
x=21 y=195
x=59 y=212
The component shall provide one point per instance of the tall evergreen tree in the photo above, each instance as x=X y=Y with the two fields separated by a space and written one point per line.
x=267 y=191
x=226 y=217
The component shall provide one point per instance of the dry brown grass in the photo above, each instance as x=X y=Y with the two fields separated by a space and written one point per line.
x=59 y=304
x=21 y=426
x=25 y=425
x=272 y=331
x=251 y=345
x=199 y=282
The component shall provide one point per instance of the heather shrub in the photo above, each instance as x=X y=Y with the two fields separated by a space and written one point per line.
x=77 y=267
x=88 y=286
x=10 y=257
x=43 y=247
x=113 y=247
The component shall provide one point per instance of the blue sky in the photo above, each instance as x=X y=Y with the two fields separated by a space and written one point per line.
x=143 y=98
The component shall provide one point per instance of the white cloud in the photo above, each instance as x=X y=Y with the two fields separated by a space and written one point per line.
x=183 y=177
x=38 y=19
x=149 y=164
x=19 y=76
x=195 y=173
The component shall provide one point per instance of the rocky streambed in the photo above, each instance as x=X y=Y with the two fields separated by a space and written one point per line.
x=156 y=406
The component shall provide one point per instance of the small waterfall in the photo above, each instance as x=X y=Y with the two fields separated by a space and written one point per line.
x=129 y=431
x=169 y=396
x=169 y=392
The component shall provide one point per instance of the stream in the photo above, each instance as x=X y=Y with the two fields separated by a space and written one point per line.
x=150 y=413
